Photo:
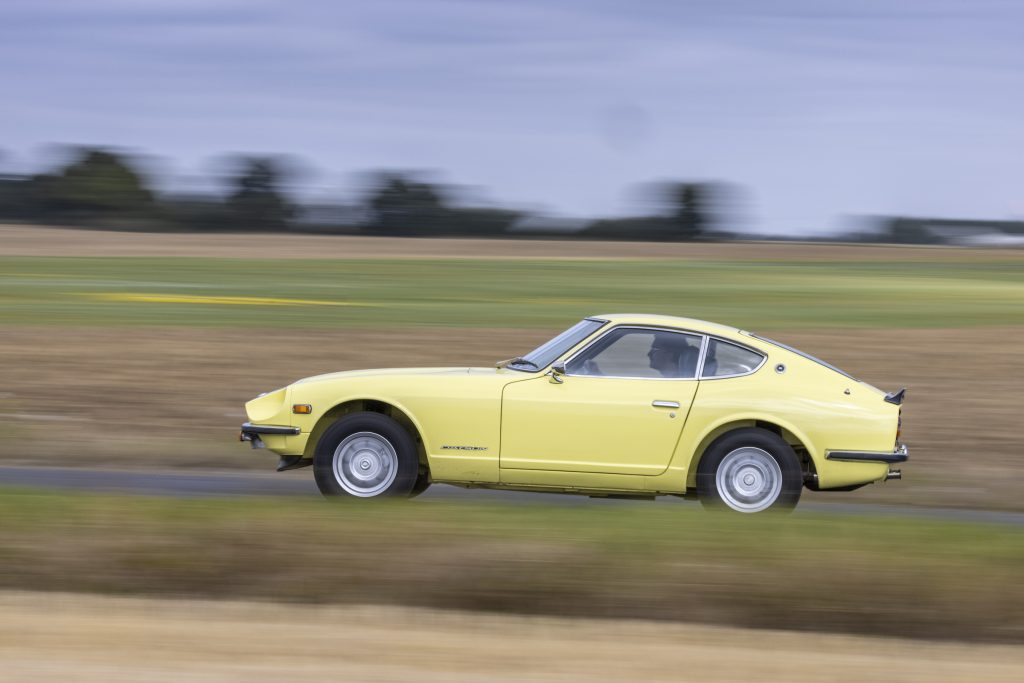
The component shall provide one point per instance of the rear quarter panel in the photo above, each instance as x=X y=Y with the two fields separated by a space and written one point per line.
x=807 y=401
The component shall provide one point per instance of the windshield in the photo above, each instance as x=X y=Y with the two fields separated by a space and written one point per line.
x=545 y=354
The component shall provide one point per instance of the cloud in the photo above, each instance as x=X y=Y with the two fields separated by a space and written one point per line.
x=820 y=107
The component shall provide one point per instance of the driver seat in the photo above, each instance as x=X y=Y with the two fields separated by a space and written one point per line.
x=688 y=362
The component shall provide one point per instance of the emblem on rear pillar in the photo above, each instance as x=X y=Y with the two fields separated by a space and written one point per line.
x=463 y=448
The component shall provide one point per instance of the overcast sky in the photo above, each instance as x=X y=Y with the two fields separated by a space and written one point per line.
x=819 y=108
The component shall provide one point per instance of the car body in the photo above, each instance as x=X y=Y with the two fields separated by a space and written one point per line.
x=618 y=405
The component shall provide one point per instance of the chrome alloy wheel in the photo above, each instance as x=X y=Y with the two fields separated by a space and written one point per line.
x=365 y=464
x=749 y=479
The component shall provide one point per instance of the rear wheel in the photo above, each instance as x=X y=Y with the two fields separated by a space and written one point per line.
x=749 y=470
x=365 y=455
x=422 y=483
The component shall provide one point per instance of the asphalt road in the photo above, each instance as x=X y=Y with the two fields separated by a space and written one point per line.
x=193 y=484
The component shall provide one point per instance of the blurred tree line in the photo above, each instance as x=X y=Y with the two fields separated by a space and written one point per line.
x=104 y=188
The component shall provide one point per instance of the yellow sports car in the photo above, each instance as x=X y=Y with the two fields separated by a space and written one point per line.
x=615 y=406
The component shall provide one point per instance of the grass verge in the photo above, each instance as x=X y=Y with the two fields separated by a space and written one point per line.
x=866 y=575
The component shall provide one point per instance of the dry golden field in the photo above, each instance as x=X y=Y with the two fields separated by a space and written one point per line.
x=18 y=240
x=151 y=397
x=132 y=392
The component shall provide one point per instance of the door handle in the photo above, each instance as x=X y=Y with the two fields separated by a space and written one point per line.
x=665 y=404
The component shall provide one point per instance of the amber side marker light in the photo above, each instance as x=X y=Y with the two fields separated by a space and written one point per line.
x=302 y=409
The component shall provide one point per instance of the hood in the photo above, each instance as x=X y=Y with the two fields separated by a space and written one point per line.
x=399 y=371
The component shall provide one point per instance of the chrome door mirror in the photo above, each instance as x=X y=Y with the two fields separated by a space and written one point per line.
x=557 y=372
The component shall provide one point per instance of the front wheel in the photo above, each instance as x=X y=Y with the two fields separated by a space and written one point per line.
x=749 y=470
x=365 y=455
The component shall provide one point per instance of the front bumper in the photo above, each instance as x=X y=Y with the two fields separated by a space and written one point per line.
x=900 y=454
x=252 y=433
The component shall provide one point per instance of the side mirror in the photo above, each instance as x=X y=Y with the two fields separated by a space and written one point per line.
x=558 y=372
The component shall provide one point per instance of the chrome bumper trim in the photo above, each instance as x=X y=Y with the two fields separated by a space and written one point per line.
x=250 y=428
x=251 y=433
x=900 y=454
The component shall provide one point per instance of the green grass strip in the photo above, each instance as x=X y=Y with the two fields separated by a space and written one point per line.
x=504 y=293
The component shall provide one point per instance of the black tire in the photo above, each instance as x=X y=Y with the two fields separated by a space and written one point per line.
x=751 y=489
x=370 y=435
x=423 y=483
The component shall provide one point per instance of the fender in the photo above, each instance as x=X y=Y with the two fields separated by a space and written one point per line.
x=312 y=426
x=692 y=445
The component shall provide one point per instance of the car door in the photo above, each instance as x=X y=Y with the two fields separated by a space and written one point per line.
x=618 y=409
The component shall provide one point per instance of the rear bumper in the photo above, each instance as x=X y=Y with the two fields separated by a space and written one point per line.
x=900 y=454
x=252 y=433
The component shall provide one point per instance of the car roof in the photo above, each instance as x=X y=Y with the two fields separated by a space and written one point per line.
x=671 y=321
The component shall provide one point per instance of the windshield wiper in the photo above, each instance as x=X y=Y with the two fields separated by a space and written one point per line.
x=516 y=361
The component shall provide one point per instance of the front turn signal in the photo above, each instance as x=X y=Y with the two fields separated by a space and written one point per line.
x=302 y=409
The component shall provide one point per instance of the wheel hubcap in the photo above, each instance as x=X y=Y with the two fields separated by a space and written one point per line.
x=365 y=464
x=749 y=479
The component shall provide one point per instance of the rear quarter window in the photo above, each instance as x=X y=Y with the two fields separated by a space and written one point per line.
x=724 y=359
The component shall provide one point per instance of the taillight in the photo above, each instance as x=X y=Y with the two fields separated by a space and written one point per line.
x=899 y=425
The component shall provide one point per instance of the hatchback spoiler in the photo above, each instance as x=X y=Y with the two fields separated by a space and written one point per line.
x=896 y=397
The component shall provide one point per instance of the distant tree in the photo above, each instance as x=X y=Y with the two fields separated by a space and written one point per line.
x=99 y=186
x=902 y=230
x=256 y=201
x=400 y=205
x=195 y=212
x=11 y=191
x=479 y=221
x=647 y=228
x=689 y=204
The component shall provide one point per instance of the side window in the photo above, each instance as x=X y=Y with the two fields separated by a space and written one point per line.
x=726 y=359
x=640 y=353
